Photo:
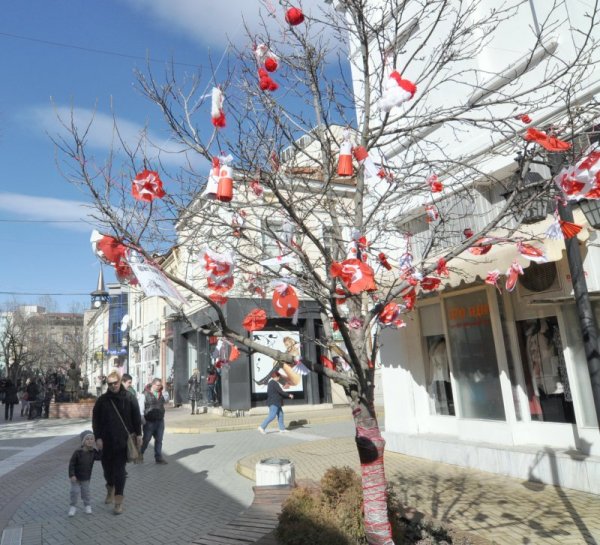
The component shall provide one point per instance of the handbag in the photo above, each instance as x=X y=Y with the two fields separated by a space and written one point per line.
x=133 y=453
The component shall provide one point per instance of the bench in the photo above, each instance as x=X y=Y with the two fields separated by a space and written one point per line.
x=255 y=525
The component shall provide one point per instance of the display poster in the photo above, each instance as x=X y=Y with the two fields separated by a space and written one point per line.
x=286 y=341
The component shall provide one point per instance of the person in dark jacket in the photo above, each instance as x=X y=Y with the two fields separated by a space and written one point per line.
x=33 y=391
x=10 y=399
x=116 y=414
x=275 y=397
x=154 y=416
x=80 y=471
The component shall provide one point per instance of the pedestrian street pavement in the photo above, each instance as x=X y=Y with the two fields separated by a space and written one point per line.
x=196 y=492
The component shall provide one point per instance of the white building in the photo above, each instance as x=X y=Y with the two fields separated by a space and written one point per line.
x=495 y=381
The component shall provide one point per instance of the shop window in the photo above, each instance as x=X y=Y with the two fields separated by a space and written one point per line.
x=437 y=366
x=545 y=371
x=473 y=353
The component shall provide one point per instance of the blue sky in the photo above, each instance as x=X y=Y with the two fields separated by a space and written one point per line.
x=40 y=78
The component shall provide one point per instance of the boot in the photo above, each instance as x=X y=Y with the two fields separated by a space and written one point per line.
x=110 y=494
x=118 y=505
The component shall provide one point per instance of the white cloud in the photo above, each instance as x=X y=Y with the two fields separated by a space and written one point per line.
x=28 y=207
x=217 y=23
x=102 y=136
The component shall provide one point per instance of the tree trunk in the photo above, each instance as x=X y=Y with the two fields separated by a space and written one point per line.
x=370 y=445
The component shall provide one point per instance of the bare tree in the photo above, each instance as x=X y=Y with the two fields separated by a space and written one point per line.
x=16 y=332
x=407 y=93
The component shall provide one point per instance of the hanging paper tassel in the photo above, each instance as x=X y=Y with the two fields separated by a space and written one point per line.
x=384 y=262
x=531 y=252
x=362 y=156
x=212 y=184
x=569 y=229
x=434 y=184
x=257 y=189
x=345 y=160
x=431 y=213
x=481 y=247
x=513 y=273
x=216 y=111
x=492 y=279
x=442 y=267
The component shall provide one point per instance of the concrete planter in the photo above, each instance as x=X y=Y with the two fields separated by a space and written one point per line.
x=83 y=409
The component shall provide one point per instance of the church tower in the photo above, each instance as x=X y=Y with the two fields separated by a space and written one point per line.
x=99 y=295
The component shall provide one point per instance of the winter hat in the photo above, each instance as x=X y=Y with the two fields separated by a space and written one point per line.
x=84 y=434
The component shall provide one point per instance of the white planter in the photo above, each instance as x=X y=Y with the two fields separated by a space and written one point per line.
x=275 y=471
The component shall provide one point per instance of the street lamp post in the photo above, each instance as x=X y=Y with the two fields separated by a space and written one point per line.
x=587 y=318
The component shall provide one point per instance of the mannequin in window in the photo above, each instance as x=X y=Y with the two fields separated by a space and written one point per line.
x=440 y=386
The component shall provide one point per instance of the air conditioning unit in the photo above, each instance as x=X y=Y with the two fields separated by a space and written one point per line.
x=547 y=281
x=544 y=281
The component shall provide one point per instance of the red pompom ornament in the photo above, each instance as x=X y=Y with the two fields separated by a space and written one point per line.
x=266 y=82
x=270 y=64
x=294 y=16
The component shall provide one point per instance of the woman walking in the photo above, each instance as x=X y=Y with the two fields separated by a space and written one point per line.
x=194 y=389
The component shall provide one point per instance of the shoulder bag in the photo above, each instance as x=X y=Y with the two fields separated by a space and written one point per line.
x=133 y=453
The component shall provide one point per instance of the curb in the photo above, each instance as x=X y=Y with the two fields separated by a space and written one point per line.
x=250 y=426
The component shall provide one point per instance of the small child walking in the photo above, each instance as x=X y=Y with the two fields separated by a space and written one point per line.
x=80 y=471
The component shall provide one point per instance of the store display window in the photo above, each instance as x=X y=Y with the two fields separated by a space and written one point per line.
x=545 y=370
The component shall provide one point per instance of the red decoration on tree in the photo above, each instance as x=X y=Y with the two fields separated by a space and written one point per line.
x=216 y=111
x=218 y=298
x=442 y=268
x=147 y=186
x=468 y=232
x=396 y=91
x=569 y=229
x=285 y=300
x=531 y=252
x=345 y=168
x=255 y=320
x=356 y=275
x=271 y=64
x=265 y=82
x=383 y=261
x=524 y=118
x=326 y=362
x=513 y=273
x=429 y=283
x=481 y=247
x=434 y=184
x=294 y=16
x=548 y=142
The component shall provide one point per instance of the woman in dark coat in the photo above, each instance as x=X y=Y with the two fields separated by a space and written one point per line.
x=194 y=389
x=10 y=399
x=116 y=414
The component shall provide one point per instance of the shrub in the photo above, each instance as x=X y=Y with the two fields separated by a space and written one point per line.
x=333 y=515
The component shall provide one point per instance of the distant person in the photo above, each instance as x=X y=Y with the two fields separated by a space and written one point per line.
x=211 y=382
x=116 y=414
x=80 y=471
x=33 y=391
x=194 y=389
x=127 y=381
x=10 y=399
x=25 y=399
x=154 y=416
x=275 y=396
